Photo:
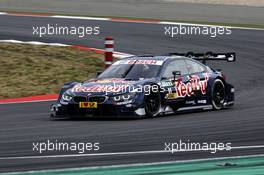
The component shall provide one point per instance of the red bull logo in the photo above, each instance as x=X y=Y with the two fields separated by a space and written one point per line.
x=194 y=84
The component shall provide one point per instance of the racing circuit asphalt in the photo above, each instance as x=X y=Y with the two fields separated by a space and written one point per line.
x=22 y=124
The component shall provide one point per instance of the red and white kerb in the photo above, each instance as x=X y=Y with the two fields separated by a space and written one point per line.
x=109 y=49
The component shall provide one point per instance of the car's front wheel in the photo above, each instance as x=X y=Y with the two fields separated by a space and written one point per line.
x=218 y=94
x=152 y=104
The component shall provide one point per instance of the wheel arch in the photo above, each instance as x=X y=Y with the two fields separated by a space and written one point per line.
x=151 y=84
x=225 y=88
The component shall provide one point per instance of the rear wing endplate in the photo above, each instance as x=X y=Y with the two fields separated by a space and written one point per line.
x=208 y=56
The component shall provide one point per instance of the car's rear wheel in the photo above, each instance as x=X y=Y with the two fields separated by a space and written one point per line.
x=218 y=94
x=152 y=104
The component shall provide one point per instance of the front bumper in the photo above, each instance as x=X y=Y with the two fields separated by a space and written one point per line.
x=230 y=96
x=103 y=110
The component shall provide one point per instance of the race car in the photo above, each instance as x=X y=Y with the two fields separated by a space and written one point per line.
x=149 y=86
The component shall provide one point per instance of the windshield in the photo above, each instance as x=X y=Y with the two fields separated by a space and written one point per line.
x=131 y=71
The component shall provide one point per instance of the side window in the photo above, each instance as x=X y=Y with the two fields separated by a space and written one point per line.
x=177 y=65
x=194 y=67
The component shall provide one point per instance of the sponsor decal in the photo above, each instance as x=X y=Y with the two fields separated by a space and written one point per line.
x=190 y=102
x=194 y=84
x=99 y=88
x=202 y=101
x=138 y=61
x=170 y=96
x=166 y=84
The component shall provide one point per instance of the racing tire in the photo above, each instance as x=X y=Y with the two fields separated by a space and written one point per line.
x=152 y=104
x=218 y=94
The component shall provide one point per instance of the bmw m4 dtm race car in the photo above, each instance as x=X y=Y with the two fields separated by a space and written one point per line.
x=148 y=86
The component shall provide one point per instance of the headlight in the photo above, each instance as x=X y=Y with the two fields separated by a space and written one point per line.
x=66 y=97
x=124 y=97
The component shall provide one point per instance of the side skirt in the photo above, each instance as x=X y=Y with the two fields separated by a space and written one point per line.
x=204 y=107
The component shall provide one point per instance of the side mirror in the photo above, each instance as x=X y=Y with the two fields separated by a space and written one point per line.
x=231 y=58
x=176 y=74
x=98 y=73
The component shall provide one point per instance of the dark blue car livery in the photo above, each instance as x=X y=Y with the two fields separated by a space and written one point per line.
x=148 y=86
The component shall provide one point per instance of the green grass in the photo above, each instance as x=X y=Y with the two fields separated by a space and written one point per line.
x=27 y=70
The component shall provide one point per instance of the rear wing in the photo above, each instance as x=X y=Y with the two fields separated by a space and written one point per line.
x=208 y=56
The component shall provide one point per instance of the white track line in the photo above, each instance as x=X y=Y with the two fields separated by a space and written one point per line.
x=121 y=55
x=110 y=19
x=207 y=25
x=116 y=54
x=118 y=153
x=33 y=43
x=136 y=164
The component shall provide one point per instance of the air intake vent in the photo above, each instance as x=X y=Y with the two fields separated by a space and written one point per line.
x=98 y=99
x=79 y=99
